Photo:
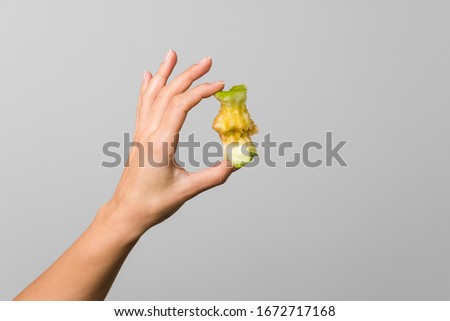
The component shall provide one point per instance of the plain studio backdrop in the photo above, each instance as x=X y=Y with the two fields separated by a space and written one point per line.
x=375 y=73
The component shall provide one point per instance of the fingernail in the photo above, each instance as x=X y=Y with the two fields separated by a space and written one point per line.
x=144 y=76
x=221 y=82
x=168 y=54
x=204 y=60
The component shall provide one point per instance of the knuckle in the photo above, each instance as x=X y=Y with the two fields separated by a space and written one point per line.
x=178 y=102
x=189 y=75
x=165 y=92
x=203 y=90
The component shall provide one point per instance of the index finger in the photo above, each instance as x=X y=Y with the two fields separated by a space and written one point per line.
x=181 y=104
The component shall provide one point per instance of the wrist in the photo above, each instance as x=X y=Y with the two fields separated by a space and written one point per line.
x=112 y=217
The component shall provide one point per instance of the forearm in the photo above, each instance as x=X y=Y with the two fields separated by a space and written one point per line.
x=88 y=268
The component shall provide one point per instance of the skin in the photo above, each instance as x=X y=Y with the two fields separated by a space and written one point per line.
x=145 y=196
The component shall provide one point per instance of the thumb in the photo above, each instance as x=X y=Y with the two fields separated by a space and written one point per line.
x=210 y=177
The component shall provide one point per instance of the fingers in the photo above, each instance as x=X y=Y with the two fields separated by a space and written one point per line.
x=180 y=105
x=163 y=73
x=179 y=85
x=145 y=82
x=184 y=81
x=159 y=102
x=154 y=86
x=207 y=178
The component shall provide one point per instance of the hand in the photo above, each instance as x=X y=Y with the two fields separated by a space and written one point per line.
x=146 y=195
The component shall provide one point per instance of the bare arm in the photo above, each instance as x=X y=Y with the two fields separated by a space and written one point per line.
x=145 y=196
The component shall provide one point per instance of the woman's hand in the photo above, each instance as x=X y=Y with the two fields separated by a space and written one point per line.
x=146 y=195
x=153 y=186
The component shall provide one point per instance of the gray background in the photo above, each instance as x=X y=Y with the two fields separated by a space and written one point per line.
x=376 y=73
